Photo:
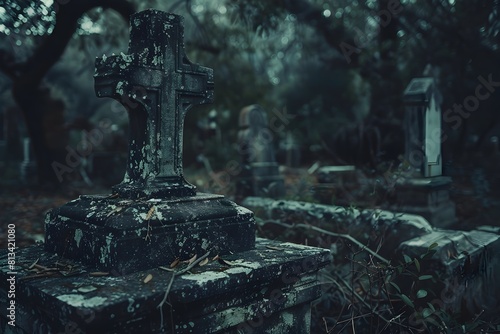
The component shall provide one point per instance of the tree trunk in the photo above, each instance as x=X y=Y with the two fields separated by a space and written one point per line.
x=35 y=102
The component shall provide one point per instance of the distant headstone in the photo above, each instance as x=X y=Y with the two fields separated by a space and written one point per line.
x=337 y=185
x=292 y=151
x=260 y=176
x=3 y=136
x=28 y=170
x=110 y=258
x=424 y=191
x=423 y=127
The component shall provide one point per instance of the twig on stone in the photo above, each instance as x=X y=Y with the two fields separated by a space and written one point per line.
x=169 y=286
x=339 y=235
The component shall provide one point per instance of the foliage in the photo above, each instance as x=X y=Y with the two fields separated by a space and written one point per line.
x=363 y=292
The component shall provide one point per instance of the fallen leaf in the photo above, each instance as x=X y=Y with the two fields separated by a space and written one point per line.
x=115 y=210
x=148 y=278
x=175 y=263
x=225 y=262
x=99 y=273
x=150 y=212
x=203 y=262
x=216 y=257
x=191 y=260
x=87 y=289
x=275 y=248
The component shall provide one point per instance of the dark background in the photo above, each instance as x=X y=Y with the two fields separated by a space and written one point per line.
x=337 y=68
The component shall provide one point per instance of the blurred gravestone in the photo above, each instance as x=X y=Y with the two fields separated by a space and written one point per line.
x=292 y=151
x=260 y=173
x=3 y=136
x=154 y=219
x=337 y=185
x=425 y=191
x=28 y=171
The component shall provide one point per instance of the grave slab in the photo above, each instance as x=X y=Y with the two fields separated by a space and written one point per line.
x=427 y=197
x=467 y=265
x=379 y=229
x=264 y=290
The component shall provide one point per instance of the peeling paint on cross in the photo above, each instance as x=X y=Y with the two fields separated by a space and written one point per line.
x=157 y=85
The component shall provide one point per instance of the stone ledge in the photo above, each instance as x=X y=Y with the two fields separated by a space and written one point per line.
x=273 y=281
x=375 y=228
x=123 y=235
x=468 y=263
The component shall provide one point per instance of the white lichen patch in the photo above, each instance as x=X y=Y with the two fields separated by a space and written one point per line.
x=242 y=211
x=205 y=277
x=126 y=58
x=106 y=250
x=119 y=88
x=78 y=237
x=238 y=270
x=246 y=264
x=287 y=319
x=77 y=300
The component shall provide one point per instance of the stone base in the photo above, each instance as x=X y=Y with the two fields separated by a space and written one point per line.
x=122 y=236
x=264 y=290
x=467 y=266
x=267 y=180
x=337 y=185
x=427 y=197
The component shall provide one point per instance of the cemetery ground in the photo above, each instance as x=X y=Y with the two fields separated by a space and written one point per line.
x=362 y=293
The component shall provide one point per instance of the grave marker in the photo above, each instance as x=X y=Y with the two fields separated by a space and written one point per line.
x=154 y=214
x=425 y=191
x=423 y=127
x=157 y=85
x=260 y=176
x=110 y=258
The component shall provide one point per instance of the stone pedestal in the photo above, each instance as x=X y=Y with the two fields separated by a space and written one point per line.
x=264 y=290
x=427 y=197
x=336 y=185
x=122 y=235
x=466 y=266
x=266 y=179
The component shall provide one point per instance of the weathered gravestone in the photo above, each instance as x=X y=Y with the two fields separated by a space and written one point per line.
x=260 y=173
x=337 y=185
x=101 y=267
x=425 y=191
x=3 y=136
x=27 y=167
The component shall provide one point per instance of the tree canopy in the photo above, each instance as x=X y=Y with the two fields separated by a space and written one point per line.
x=339 y=67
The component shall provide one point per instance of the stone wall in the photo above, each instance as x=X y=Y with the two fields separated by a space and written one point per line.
x=464 y=265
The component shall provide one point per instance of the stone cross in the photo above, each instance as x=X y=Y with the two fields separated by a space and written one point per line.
x=157 y=85
x=423 y=127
